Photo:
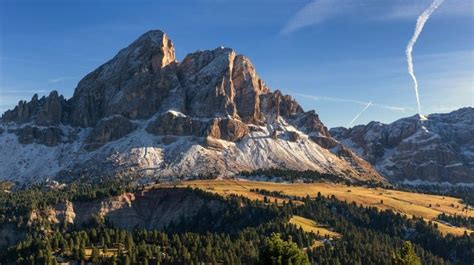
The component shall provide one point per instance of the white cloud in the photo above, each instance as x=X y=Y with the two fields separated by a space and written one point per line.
x=312 y=13
x=318 y=11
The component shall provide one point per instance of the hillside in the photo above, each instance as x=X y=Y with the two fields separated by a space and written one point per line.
x=191 y=222
x=411 y=204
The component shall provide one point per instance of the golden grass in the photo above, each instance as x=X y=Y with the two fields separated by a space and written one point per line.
x=110 y=252
x=229 y=187
x=408 y=203
x=309 y=225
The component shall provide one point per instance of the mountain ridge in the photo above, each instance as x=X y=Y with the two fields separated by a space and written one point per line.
x=144 y=113
x=437 y=148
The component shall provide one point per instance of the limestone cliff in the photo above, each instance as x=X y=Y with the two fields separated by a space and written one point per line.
x=144 y=113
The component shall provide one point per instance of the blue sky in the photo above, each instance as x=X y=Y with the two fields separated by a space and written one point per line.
x=333 y=56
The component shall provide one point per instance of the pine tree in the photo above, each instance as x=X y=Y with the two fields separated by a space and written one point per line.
x=278 y=251
x=407 y=255
x=95 y=255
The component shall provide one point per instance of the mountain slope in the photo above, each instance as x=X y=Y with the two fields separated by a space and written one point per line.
x=439 y=147
x=144 y=114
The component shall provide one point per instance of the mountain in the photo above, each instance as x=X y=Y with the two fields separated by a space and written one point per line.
x=145 y=114
x=438 y=147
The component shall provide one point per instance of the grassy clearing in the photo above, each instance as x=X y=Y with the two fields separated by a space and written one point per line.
x=109 y=253
x=421 y=205
x=309 y=225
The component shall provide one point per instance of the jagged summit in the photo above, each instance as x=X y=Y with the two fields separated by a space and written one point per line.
x=146 y=113
x=152 y=49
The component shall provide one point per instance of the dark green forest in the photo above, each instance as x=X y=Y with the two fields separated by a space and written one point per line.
x=240 y=232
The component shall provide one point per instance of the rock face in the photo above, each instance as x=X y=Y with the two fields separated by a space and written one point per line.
x=144 y=113
x=149 y=209
x=439 y=147
x=178 y=124
x=108 y=130
x=133 y=84
x=51 y=136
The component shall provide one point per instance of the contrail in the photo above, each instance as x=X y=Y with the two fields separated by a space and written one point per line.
x=358 y=114
x=420 y=23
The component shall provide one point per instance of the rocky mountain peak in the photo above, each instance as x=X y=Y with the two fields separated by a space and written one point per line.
x=153 y=48
x=209 y=114
x=132 y=84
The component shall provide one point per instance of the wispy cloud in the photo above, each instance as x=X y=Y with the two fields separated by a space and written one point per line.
x=58 y=79
x=318 y=11
x=354 y=101
x=312 y=13
x=12 y=91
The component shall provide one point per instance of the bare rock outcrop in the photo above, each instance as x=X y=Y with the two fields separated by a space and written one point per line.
x=149 y=209
x=133 y=84
x=310 y=123
x=293 y=136
x=50 y=136
x=207 y=79
x=232 y=130
x=172 y=123
x=324 y=141
x=275 y=104
x=248 y=88
x=46 y=111
x=107 y=130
